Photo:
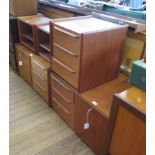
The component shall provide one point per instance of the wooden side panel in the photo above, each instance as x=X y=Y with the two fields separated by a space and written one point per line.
x=95 y=135
x=129 y=134
x=23 y=7
x=101 y=57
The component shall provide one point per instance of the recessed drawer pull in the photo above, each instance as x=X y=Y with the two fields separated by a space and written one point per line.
x=61 y=95
x=60 y=106
x=67 y=51
x=64 y=66
x=38 y=75
x=65 y=32
x=38 y=64
x=39 y=85
x=61 y=84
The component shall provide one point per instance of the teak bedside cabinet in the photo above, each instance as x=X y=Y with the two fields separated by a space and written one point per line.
x=43 y=42
x=27 y=33
x=87 y=51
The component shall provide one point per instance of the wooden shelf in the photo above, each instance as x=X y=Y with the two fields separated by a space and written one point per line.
x=45 y=55
x=28 y=36
x=45 y=46
x=29 y=45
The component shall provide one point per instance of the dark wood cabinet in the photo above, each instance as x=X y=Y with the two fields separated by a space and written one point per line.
x=13 y=38
x=95 y=135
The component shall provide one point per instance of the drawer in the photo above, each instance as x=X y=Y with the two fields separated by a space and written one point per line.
x=39 y=68
x=63 y=112
x=67 y=73
x=62 y=100
x=67 y=57
x=62 y=88
x=41 y=90
x=66 y=39
x=40 y=79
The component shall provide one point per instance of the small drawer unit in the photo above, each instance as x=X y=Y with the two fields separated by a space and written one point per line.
x=23 y=56
x=43 y=42
x=27 y=29
x=40 y=76
x=86 y=50
x=62 y=99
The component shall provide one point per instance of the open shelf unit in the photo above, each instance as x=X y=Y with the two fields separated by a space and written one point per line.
x=43 y=42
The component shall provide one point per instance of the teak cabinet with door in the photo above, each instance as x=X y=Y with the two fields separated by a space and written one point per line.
x=23 y=55
x=86 y=51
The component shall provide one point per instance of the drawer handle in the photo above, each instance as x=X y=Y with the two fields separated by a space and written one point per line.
x=64 y=66
x=39 y=85
x=38 y=64
x=62 y=84
x=65 y=32
x=67 y=51
x=61 y=95
x=38 y=75
x=60 y=106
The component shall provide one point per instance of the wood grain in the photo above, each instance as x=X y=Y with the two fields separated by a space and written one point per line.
x=37 y=129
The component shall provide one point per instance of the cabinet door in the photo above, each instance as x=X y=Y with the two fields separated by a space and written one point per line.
x=94 y=136
x=24 y=67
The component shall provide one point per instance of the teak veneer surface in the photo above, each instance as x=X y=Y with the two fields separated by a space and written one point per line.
x=34 y=20
x=44 y=28
x=135 y=97
x=103 y=94
x=85 y=24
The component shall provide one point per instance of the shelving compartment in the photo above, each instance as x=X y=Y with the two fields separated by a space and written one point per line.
x=26 y=35
x=43 y=44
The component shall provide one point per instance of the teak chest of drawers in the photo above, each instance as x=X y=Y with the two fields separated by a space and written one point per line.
x=40 y=76
x=62 y=99
x=27 y=29
x=86 y=51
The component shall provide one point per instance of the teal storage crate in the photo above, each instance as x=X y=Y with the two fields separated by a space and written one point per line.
x=138 y=74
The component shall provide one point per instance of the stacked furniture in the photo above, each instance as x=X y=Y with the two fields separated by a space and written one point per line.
x=74 y=64
x=32 y=67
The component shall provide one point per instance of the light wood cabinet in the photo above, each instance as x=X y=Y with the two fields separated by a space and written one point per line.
x=128 y=123
x=23 y=62
x=86 y=51
x=40 y=76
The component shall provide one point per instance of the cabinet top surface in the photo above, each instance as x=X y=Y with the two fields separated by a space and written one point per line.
x=135 y=97
x=44 y=28
x=103 y=94
x=85 y=24
x=34 y=20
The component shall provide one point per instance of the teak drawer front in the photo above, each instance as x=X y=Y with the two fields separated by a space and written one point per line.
x=40 y=79
x=62 y=111
x=40 y=89
x=67 y=40
x=62 y=100
x=65 y=72
x=39 y=68
x=62 y=88
x=67 y=57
